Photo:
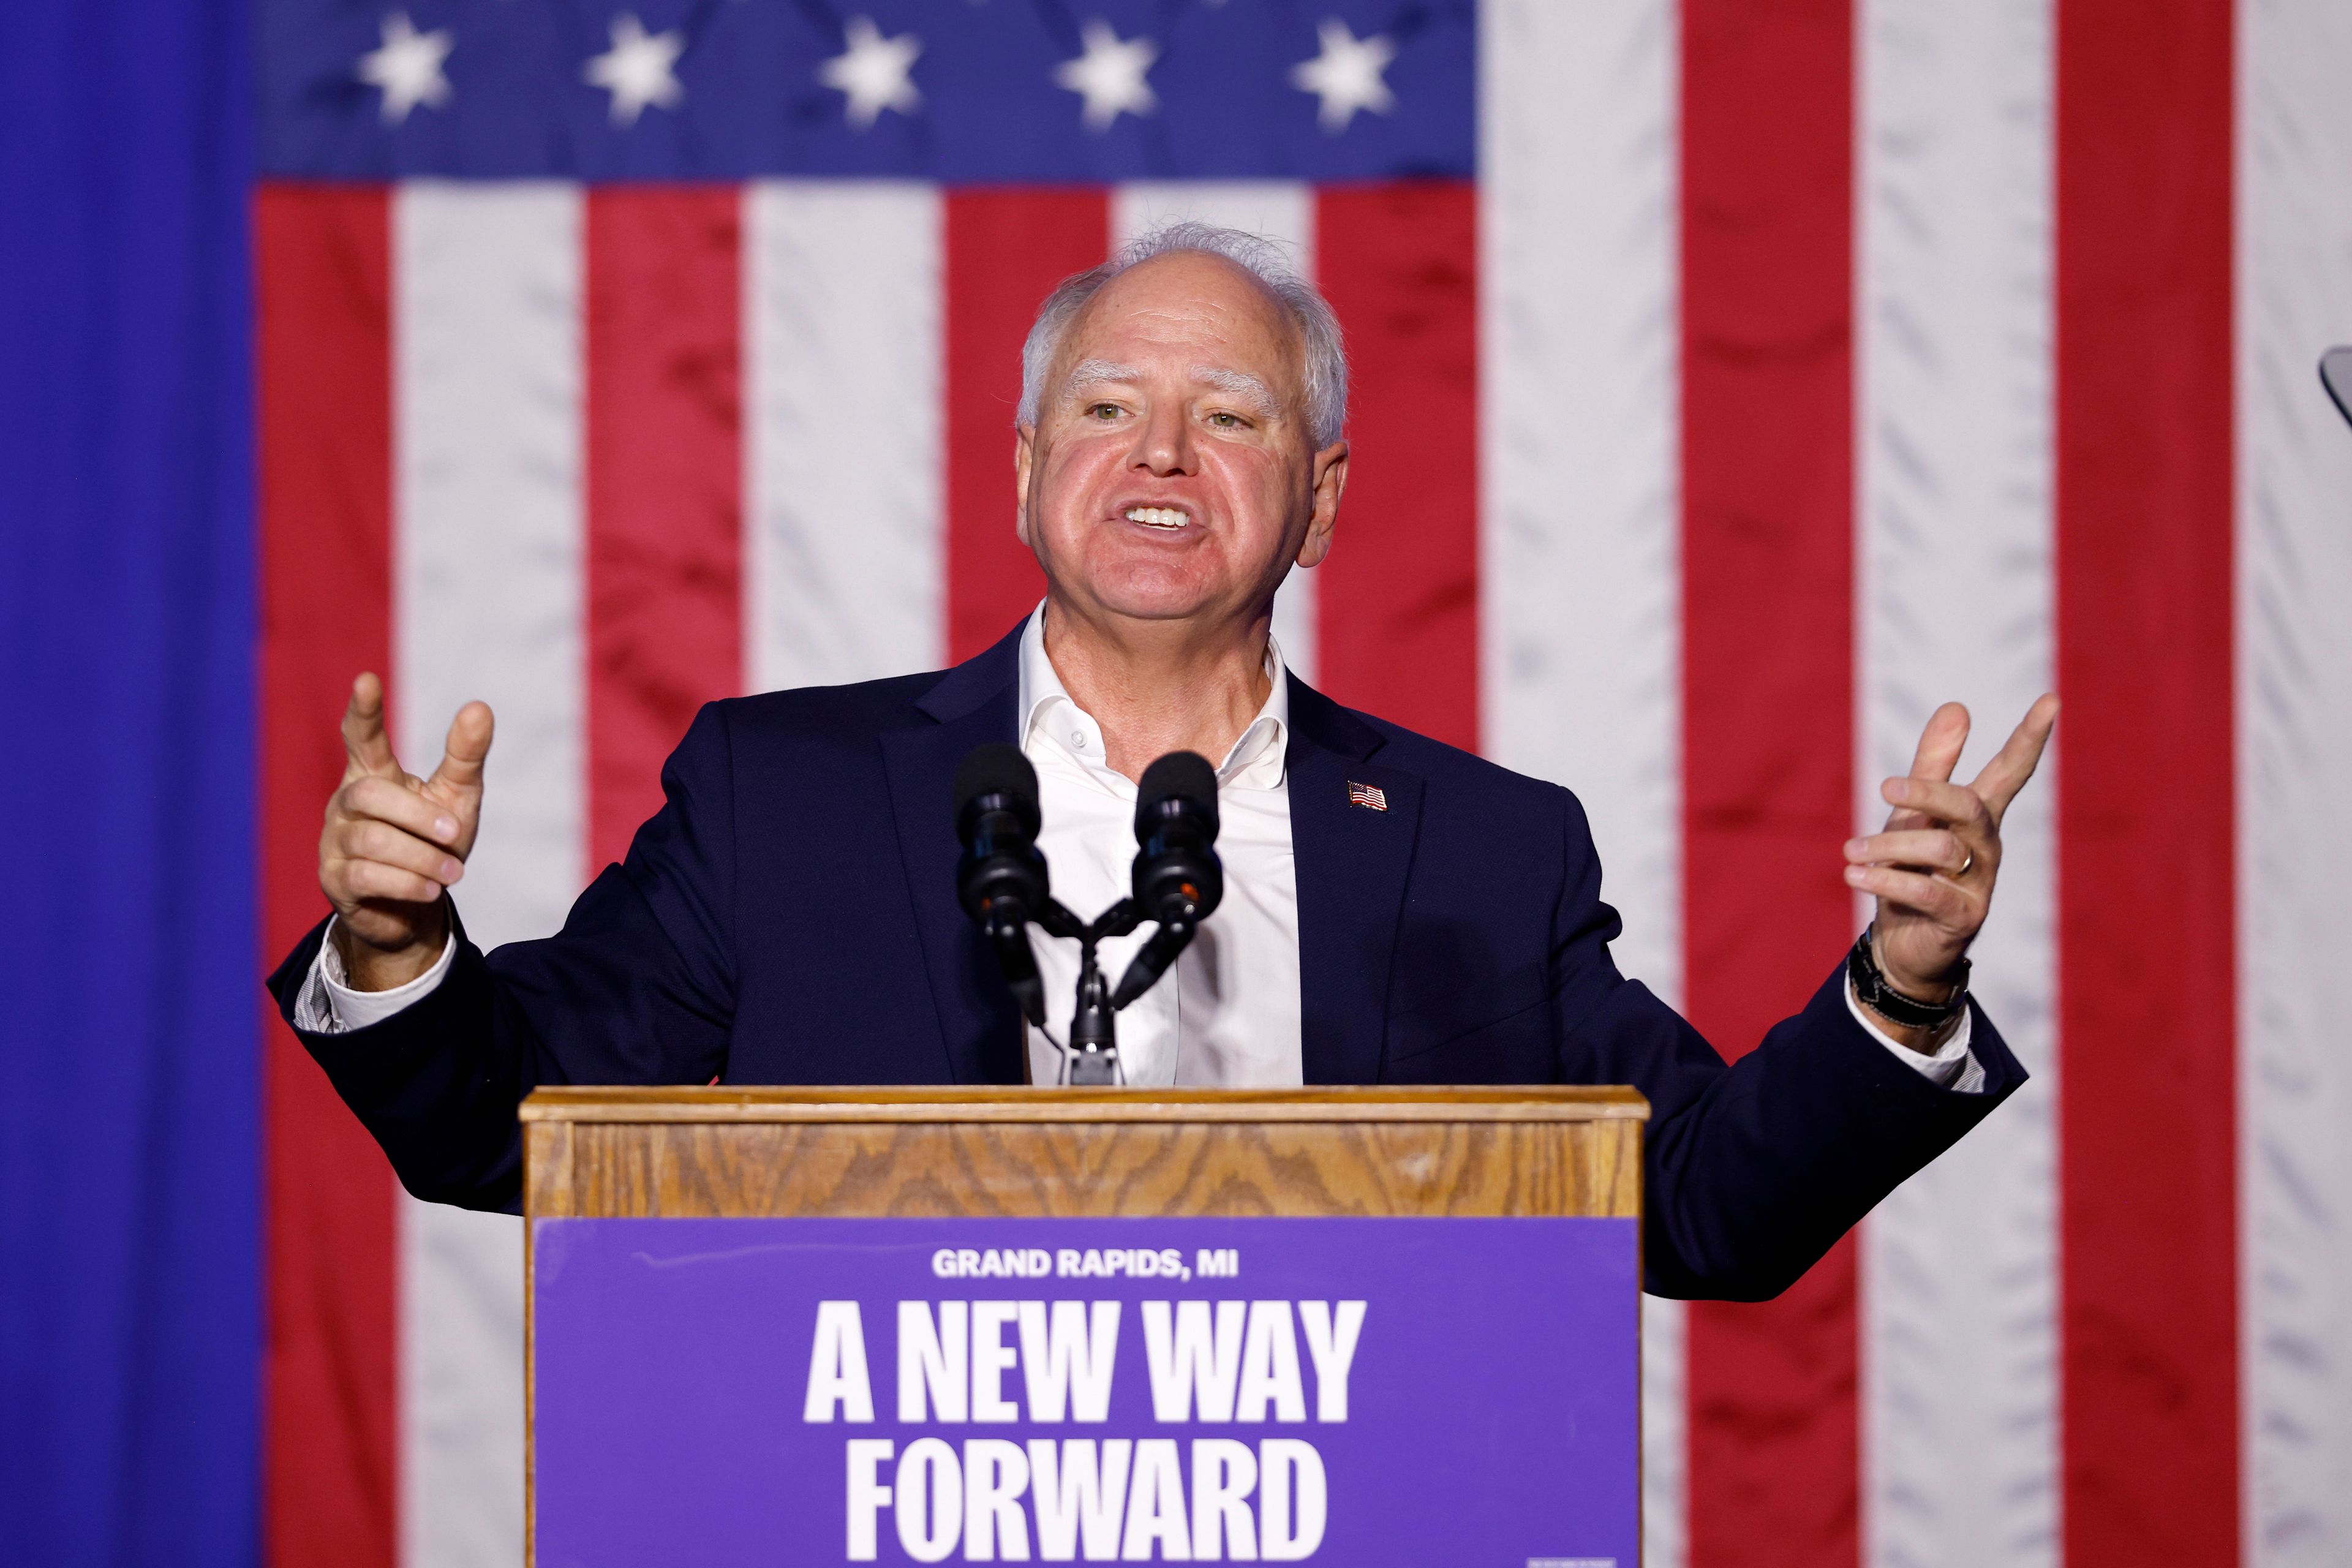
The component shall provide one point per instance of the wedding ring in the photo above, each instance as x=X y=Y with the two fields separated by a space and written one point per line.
x=1964 y=865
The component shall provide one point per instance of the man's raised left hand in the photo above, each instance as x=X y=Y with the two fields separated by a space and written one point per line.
x=1932 y=868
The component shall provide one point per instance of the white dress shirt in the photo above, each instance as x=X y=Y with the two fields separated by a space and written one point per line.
x=328 y=1006
x=1228 y=1013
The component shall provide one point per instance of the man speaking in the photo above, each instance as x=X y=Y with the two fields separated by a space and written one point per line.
x=1395 y=911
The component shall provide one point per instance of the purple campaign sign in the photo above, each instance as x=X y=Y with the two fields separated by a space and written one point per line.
x=1355 y=1391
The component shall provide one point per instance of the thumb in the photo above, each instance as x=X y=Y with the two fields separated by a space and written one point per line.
x=467 y=749
x=367 y=750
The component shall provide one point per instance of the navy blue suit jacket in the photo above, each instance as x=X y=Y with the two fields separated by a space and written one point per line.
x=789 y=918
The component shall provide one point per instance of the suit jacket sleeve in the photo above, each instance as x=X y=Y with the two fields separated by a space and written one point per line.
x=637 y=987
x=1751 y=1172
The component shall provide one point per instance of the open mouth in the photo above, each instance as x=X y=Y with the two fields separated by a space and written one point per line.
x=1166 y=518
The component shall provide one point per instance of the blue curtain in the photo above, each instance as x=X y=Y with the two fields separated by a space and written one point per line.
x=128 y=1265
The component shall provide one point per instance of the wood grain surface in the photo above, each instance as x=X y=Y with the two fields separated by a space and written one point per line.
x=1541 y=1103
x=1100 y=1153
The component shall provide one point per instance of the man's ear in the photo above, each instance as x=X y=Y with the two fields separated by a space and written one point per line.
x=1024 y=452
x=1331 y=479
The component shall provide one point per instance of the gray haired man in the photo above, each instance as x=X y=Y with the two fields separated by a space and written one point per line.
x=1395 y=910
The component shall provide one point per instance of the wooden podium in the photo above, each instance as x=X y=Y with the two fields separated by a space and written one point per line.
x=1068 y=1156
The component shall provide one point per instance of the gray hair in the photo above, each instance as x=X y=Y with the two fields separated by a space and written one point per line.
x=1324 y=379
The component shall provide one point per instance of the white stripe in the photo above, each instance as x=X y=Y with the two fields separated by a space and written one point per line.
x=1281 y=211
x=487 y=603
x=1579 y=591
x=1953 y=436
x=1665 y=1434
x=2294 y=752
x=841 y=302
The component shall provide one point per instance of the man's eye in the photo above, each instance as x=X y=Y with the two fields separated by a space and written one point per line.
x=1224 y=421
x=1104 y=411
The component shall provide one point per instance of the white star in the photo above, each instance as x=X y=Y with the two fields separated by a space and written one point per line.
x=637 y=69
x=873 y=72
x=1109 y=75
x=407 y=67
x=1345 y=75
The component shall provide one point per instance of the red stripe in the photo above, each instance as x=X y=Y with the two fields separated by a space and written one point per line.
x=325 y=382
x=1005 y=251
x=2146 y=917
x=665 y=486
x=1767 y=732
x=1396 y=600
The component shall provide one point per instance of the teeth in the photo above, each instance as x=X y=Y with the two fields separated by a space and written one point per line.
x=1159 y=516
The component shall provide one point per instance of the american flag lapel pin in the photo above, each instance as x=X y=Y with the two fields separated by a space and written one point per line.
x=1368 y=796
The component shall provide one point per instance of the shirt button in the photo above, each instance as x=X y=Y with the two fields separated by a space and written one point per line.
x=1078 y=739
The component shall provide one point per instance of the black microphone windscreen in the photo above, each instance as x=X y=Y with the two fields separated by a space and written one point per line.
x=1179 y=776
x=2336 y=374
x=997 y=770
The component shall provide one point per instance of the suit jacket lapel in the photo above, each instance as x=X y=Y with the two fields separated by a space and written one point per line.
x=1351 y=863
x=972 y=705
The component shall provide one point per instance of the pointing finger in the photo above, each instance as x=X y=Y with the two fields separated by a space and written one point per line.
x=2014 y=763
x=1940 y=742
x=367 y=750
x=467 y=748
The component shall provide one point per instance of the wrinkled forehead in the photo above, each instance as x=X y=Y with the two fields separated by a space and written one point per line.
x=1202 y=315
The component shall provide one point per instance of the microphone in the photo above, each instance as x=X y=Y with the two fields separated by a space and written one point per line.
x=1178 y=879
x=1001 y=879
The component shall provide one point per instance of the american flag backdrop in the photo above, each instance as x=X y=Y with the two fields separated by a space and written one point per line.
x=1735 y=379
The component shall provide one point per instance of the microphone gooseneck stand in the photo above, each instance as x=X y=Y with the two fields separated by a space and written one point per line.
x=1001 y=883
x=1092 y=1049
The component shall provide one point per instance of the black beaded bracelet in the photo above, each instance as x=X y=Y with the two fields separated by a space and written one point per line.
x=1872 y=989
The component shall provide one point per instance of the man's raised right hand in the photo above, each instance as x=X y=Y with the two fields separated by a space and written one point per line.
x=394 y=844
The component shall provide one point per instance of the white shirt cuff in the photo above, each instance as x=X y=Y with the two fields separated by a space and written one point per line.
x=1952 y=1066
x=328 y=1006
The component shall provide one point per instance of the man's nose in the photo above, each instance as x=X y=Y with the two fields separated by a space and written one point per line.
x=1165 y=442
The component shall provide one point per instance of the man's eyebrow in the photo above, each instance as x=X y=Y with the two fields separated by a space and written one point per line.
x=1094 y=373
x=1240 y=384
x=1235 y=384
